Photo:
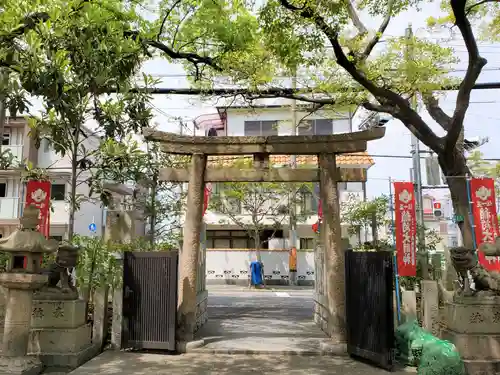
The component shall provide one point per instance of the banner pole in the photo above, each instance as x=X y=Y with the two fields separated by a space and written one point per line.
x=393 y=230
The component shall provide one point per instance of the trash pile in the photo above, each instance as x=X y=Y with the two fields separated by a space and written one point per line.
x=431 y=356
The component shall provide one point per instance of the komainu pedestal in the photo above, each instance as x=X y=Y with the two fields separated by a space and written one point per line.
x=473 y=325
x=60 y=335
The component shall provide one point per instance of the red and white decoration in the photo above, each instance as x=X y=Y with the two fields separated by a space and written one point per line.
x=406 y=228
x=485 y=218
x=38 y=194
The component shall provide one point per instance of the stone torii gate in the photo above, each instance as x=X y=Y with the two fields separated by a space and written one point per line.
x=325 y=147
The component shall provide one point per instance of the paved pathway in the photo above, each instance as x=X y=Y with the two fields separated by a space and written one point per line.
x=257 y=322
x=120 y=363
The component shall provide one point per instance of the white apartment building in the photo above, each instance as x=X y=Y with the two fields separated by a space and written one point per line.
x=12 y=190
x=226 y=242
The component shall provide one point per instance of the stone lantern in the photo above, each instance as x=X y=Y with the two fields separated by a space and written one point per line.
x=21 y=282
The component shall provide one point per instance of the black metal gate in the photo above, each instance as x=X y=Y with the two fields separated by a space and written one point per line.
x=149 y=300
x=369 y=306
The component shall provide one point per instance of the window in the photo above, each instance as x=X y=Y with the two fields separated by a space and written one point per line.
x=57 y=238
x=6 y=139
x=3 y=189
x=323 y=127
x=58 y=192
x=254 y=128
x=316 y=127
x=237 y=239
x=307 y=243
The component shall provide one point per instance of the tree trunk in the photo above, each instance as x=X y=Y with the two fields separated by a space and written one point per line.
x=455 y=168
x=72 y=194
x=256 y=239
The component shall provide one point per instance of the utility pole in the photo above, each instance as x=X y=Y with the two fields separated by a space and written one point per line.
x=417 y=174
x=293 y=209
x=181 y=132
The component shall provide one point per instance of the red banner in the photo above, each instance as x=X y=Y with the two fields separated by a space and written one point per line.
x=38 y=194
x=485 y=218
x=406 y=228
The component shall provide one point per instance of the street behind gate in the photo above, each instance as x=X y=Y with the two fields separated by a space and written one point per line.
x=369 y=306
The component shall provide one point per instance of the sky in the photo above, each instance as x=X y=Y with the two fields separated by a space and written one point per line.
x=481 y=119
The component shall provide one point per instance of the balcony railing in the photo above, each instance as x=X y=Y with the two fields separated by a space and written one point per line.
x=9 y=208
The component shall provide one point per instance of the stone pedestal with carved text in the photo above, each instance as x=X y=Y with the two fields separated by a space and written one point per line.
x=473 y=325
x=60 y=335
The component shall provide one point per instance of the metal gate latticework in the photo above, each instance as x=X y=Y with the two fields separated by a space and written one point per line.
x=149 y=300
x=369 y=306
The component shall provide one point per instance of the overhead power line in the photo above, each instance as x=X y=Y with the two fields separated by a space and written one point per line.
x=276 y=91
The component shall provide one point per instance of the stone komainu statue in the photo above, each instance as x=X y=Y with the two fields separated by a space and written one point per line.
x=465 y=262
x=58 y=271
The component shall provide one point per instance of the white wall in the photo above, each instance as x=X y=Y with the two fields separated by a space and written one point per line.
x=48 y=158
x=89 y=210
x=235 y=265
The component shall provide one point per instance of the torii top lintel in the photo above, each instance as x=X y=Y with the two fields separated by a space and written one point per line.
x=276 y=144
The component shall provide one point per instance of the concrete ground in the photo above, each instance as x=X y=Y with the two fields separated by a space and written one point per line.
x=266 y=325
x=279 y=320
x=121 y=363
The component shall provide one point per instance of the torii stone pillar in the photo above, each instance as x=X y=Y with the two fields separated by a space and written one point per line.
x=332 y=243
x=188 y=257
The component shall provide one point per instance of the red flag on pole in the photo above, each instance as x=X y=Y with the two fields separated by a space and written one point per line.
x=406 y=228
x=485 y=218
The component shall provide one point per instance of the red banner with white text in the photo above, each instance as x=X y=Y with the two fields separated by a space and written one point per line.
x=406 y=228
x=485 y=218
x=38 y=194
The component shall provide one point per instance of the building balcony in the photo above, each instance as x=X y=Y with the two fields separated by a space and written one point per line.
x=9 y=208
x=16 y=150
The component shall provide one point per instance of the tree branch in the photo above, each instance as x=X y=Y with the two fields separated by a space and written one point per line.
x=402 y=109
x=378 y=107
x=189 y=56
x=470 y=8
x=162 y=26
x=436 y=112
x=381 y=30
x=353 y=15
x=474 y=67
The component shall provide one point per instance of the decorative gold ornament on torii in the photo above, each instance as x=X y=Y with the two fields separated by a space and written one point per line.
x=325 y=147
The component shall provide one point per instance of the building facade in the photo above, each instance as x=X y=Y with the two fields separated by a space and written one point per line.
x=12 y=190
x=230 y=247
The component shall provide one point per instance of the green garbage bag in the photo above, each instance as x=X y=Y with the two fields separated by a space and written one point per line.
x=408 y=337
x=432 y=356
x=440 y=357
